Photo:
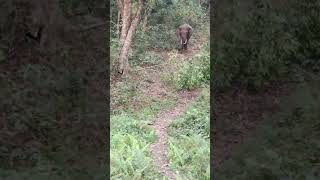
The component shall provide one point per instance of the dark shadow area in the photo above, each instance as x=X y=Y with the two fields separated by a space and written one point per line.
x=265 y=71
x=54 y=89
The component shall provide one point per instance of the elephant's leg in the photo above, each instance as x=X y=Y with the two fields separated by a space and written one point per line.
x=187 y=44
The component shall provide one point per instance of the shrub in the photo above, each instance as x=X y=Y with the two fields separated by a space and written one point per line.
x=256 y=52
x=303 y=19
x=193 y=73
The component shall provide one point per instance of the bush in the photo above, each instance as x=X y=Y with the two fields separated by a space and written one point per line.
x=129 y=153
x=254 y=49
x=157 y=36
x=303 y=18
x=265 y=42
x=193 y=73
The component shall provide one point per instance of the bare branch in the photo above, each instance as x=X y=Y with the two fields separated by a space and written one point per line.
x=120 y=7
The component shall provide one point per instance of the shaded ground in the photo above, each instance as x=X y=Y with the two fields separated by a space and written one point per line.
x=237 y=113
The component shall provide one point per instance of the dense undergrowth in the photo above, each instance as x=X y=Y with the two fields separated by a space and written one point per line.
x=285 y=145
x=50 y=126
x=189 y=143
x=38 y=135
x=131 y=133
x=261 y=42
x=194 y=72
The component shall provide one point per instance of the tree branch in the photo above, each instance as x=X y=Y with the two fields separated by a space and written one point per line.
x=120 y=7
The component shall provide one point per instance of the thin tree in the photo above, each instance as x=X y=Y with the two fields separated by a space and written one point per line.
x=147 y=13
x=127 y=30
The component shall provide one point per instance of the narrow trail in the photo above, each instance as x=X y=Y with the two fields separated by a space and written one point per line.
x=163 y=119
x=161 y=122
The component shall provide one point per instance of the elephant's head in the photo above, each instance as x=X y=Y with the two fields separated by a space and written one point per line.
x=184 y=33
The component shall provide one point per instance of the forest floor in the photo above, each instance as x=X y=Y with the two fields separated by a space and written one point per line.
x=163 y=119
x=150 y=81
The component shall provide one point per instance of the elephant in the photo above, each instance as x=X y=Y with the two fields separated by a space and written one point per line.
x=184 y=33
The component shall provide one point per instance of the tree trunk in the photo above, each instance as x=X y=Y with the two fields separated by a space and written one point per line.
x=118 y=25
x=123 y=57
x=125 y=22
x=145 y=22
x=120 y=7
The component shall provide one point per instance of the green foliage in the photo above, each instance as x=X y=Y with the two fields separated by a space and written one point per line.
x=131 y=133
x=304 y=19
x=178 y=12
x=130 y=158
x=129 y=148
x=186 y=156
x=113 y=55
x=146 y=58
x=69 y=7
x=124 y=93
x=164 y=19
x=262 y=42
x=286 y=146
x=189 y=146
x=253 y=49
x=195 y=120
x=195 y=72
x=50 y=102
x=132 y=110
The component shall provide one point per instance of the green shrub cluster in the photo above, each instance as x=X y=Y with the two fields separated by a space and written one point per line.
x=195 y=72
x=129 y=151
x=264 y=43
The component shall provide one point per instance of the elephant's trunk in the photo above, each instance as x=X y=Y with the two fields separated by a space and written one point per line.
x=185 y=42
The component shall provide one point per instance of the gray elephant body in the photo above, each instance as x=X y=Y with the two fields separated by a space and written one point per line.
x=184 y=33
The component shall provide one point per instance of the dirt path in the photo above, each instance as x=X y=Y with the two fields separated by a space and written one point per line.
x=163 y=119
x=161 y=122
